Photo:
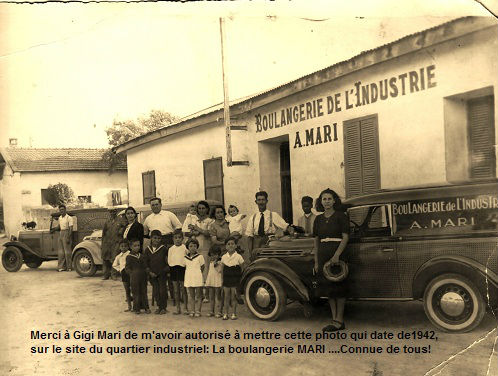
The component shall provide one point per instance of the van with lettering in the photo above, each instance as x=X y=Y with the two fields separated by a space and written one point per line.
x=435 y=244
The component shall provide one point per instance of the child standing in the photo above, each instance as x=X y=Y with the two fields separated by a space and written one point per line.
x=119 y=265
x=213 y=281
x=234 y=219
x=232 y=263
x=190 y=220
x=156 y=261
x=194 y=266
x=136 y=269
x=176 y=261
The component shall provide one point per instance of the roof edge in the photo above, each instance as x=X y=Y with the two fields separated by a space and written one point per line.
x=403 y=46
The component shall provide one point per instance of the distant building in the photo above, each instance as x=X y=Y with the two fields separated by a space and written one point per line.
x=25 y=175
x=417 y=111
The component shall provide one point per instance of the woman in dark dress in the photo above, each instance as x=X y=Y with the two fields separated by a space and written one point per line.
x=134 y=229
x=331 y=232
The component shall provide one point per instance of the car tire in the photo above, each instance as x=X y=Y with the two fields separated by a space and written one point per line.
x=83 y=263
x=265 y=296
x=34 y=264
x=12 y=259
x=453 y=303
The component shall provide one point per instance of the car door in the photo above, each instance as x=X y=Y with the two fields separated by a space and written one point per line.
x=372 y=254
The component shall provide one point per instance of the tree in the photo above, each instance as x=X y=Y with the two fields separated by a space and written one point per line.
x=59 y=193
x=122 y=131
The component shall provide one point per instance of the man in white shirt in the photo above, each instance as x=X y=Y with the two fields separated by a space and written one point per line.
x=162 y=220
x=262 y=224
x=66 y=229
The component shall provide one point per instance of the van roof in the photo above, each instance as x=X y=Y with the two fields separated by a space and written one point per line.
x=425 y=192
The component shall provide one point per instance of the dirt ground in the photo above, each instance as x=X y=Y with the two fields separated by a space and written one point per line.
x=46 y=301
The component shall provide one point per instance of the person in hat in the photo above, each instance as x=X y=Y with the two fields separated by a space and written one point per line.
x=331 y=233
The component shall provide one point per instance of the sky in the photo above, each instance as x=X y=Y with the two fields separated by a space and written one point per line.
x=68 y=70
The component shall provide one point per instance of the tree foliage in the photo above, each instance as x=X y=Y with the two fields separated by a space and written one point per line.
x=59 y=193
x=122 y=131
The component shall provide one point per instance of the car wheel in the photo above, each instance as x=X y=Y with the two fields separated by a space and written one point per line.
x=265 y=297
x=453 y=303
x=34 y=264
x=83 y=263
x=12 y=259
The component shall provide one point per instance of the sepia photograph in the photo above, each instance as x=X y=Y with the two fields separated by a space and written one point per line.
x=249 y=187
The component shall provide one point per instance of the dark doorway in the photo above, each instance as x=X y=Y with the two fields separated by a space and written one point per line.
x=285 y=182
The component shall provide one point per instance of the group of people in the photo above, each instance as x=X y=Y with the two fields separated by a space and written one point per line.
x=200 y=261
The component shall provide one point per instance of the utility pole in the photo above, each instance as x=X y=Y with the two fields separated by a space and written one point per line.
x=226 y=103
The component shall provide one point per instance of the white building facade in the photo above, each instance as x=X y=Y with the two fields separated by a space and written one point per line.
x=417 y=111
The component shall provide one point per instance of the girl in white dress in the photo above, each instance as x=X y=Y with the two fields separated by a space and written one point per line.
x=213 y=281
x=194 y=266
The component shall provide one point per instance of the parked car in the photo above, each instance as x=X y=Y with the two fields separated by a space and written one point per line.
x=87 y=257
x=435 y=244
x=33 y=247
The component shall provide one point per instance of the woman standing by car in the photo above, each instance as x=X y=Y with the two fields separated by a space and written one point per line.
x=134 y=229
x=331 y=232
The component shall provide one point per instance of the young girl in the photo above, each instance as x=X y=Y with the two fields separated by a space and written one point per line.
x=176 y=261
x=136 y=268
x=194 y=266
x=119 y=265
x=213 y=281
x=232 y=263
x=234 y=220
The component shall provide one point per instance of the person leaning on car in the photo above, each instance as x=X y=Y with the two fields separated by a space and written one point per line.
x=66 y=229
x=262 y=224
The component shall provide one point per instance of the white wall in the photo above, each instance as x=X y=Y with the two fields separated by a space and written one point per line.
x=411 y=133
x=22 y=191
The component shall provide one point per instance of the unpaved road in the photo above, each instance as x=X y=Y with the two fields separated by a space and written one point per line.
x=48 y=301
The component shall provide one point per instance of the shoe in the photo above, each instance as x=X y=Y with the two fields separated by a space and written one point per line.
x=197 y=314
x=147 y=311
x=137 y=312
x=205 y=300
x=69 y=270
x=177 y=313
x=210 y=314
x=163 y=312
x=225 y=317
x=61 y=270
x=105 y=278
x=218 y=315
x=339 y=325
x=186 y=313
x=157 y=311
x=233 y=317
x=191 y=314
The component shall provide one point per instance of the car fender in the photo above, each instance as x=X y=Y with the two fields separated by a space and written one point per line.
x=279 y=269
x=24 y=248
x=92 y=247
x=483 y=276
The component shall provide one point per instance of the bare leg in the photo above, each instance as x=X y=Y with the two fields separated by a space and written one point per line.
x=217 y=291
x=211 y=299
x=198 y=299
x=333 y=307
x=341 y=302
x=233 y=298
x=226 y=302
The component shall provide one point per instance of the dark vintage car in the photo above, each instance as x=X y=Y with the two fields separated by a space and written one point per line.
x=33 y=247
x=435 y=244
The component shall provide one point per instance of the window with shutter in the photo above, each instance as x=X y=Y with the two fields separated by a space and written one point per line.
x=213 y=179
x=481 y=138
x=361 y=156
x=149 y=185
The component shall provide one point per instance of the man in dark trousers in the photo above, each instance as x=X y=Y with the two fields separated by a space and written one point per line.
x=156 y=256
x=112 y=233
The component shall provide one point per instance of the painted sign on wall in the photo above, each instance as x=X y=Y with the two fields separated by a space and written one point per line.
x=358 y=95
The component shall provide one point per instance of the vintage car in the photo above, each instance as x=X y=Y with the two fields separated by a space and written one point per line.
x=437 y=244
x=33 y=247
x=87 y=257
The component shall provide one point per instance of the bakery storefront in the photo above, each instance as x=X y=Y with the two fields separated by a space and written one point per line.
x=416 y=111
